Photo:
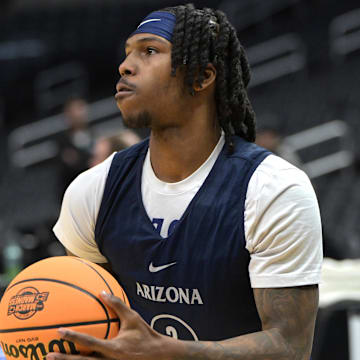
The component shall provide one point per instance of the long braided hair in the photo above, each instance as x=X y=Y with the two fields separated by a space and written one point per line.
x=206 y=36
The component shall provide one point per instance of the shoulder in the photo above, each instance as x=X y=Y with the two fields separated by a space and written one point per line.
x=275 y=175
x=282 y=226
x=80 y=206
x=277 y=185
x=280 y=200
x=91 y=182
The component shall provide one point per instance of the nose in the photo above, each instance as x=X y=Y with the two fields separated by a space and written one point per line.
x=126 y=68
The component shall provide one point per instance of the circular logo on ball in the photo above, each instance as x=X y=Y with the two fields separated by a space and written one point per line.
x=26 y=303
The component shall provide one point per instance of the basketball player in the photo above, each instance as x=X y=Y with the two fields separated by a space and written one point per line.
x=216 y=241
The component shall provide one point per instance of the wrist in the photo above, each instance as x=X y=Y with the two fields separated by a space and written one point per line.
x=171 y=349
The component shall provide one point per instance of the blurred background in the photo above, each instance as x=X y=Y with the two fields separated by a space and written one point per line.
x=58 y=70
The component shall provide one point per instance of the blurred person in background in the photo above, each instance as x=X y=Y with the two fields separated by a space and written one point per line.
x=107 y=145
x=76 y=143
x=269 y=137
x=215 y=240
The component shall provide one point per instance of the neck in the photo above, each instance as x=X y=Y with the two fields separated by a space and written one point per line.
x=176 y=152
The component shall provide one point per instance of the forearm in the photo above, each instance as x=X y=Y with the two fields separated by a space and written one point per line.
x=288 y=316
x=268 y=344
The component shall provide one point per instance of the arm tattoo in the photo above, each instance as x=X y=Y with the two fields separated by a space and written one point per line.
x=292 y=311
x=288 y=320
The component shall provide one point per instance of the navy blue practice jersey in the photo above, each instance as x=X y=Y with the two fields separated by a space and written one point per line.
x=194 y=284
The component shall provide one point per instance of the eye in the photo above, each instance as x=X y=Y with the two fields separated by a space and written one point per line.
x=151 y=51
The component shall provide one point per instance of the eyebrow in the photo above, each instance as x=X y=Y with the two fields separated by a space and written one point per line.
x=148 y=38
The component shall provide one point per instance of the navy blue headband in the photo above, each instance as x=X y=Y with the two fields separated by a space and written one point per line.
x=158 y=23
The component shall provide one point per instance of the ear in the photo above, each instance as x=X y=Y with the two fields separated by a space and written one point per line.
x=209 y=78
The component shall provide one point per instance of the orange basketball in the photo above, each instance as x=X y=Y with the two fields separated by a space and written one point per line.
x=56 y=292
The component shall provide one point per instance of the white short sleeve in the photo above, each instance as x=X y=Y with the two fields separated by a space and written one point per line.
x=75 y=227
x=282 y=226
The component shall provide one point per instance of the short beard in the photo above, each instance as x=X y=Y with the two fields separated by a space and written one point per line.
x=140 y=121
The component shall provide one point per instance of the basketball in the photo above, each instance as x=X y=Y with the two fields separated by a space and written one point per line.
x=56 y=292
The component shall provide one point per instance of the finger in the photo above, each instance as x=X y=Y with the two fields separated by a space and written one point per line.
x=60 y=356
x=91 y=342
x=120 y=308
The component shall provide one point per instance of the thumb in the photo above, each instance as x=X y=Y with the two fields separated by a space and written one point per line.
x=120 y=308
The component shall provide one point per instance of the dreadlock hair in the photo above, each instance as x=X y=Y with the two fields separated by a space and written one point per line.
x=203 y=36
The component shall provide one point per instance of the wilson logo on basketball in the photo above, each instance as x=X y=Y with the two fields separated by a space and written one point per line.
x=26 y=303
x=38 y=350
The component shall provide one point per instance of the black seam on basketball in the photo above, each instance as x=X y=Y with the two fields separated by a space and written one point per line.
x=59 y=325
x=75 y=287
x=78 y=259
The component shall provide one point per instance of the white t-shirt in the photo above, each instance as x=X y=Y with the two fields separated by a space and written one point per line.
x=282 y=220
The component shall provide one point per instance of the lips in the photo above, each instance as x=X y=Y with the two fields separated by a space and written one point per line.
x=123 y=90
x=122 y=94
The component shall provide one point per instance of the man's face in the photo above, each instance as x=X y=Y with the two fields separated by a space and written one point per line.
x=147 y=95
x=76 y=113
